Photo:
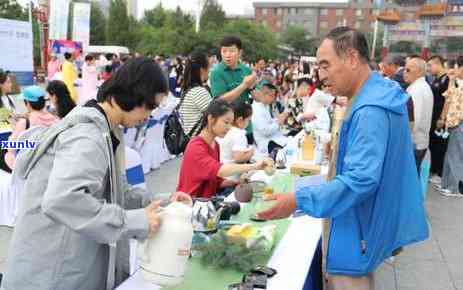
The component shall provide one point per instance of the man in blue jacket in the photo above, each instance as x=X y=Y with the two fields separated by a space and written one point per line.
x=374 y=202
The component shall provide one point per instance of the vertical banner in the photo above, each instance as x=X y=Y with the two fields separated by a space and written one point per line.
x=17 y=50
x=81 y=23
x=58 y=20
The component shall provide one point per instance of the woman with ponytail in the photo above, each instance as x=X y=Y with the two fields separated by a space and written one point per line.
x=202 y=174
x=195 y=97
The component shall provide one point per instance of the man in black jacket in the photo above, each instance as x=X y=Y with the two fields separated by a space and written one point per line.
x=437 y=145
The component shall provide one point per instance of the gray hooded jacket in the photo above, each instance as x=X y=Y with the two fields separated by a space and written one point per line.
x=71 y=214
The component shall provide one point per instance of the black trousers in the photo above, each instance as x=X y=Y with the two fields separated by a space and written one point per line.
x=419 y=156
x=438 y=148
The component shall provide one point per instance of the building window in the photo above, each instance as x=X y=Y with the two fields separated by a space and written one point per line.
x=308 y=11
x=278 y=24
x=264 y=11
x=323 y=12
x=358 y=24
x=340 y=23
x=323 y=25
x=358 y=12
x=375 y=12
x=372 y=25
x=279 y=11
x=292 y=11
x=339 y=12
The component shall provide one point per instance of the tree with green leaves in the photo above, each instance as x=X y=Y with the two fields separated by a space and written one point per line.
x=405 y=47
x=175 y=36
x=97 y=25
x=454 y=44
x=36 y=41
x=11 y=9
x=212 y=15
x=299 y=39
x=257 y=40
x=155 y=17
x=118 y=27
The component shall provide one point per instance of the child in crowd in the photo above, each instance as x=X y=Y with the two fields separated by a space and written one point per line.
x=34 y=98
x=266 y=123
x=234 y=147
x=295 y=106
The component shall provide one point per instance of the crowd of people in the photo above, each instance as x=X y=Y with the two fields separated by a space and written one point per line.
x=436 y=116
x=237 y=116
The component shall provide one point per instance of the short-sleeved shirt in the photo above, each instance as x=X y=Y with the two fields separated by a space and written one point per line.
x=235 y=140
x=200 y=166
x=224 y=79
x=195 y=102
x=454 y=96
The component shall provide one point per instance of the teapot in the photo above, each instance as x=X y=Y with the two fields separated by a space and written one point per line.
x=163 y=258
x=208 y=212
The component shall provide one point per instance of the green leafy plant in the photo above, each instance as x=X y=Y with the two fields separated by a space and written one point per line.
x=222 y=253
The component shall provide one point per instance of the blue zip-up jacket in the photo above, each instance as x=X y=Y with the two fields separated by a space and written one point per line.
x=375 y=200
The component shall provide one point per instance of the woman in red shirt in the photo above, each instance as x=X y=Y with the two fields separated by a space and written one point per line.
x=201 y=173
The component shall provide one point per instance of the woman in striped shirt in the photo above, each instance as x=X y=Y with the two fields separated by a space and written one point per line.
x=196 y=98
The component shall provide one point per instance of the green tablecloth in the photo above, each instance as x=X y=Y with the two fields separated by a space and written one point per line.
x=199 y=277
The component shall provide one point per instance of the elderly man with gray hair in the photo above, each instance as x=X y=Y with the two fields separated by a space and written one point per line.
x=373 y=203
x=423 y=102
x=394 y=69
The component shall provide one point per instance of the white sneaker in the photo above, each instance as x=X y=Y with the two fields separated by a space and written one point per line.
x=435 y=179
x=448 y=193
x=437 y=186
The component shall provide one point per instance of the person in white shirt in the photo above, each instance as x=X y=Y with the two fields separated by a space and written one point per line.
x=265 y=123
x=234 y=146
x=318 y=100
x=423 y=102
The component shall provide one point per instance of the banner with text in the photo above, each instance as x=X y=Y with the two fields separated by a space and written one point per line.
x=17 y=52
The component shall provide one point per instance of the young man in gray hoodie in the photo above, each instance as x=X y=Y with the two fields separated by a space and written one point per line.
x=77 y=211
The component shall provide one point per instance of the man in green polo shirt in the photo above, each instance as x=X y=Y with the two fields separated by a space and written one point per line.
x=230 y=79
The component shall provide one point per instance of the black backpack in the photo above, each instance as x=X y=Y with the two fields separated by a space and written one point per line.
x=175 y=137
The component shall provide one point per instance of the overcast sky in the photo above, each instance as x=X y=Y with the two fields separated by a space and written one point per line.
x=230 y=6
